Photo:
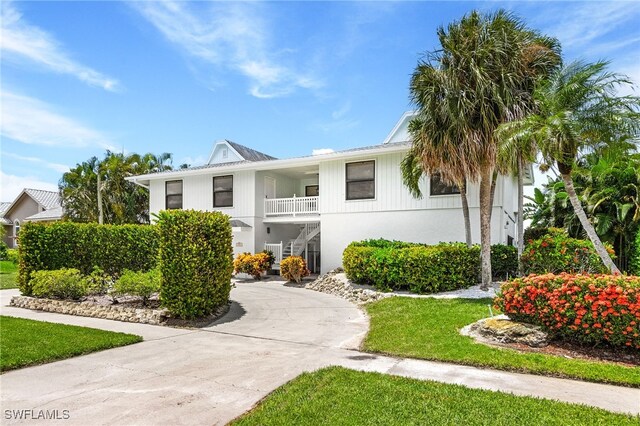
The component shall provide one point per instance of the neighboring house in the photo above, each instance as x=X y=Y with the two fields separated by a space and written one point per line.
x=32 y=205
x=315 y=206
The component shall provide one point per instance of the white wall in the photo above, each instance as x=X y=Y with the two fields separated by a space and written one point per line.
x=217 y=156
x=421 y=226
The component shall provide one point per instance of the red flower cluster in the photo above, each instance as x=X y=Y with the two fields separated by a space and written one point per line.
x=590 y=309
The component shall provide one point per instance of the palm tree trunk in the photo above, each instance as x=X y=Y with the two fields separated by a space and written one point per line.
x=100 y=213
x=465 y=213
x=486 y=186
x=591 y=232
x=520 y=212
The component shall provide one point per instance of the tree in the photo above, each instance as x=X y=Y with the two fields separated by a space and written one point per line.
x=482 y=76
x=97 y=191
x=577 y=110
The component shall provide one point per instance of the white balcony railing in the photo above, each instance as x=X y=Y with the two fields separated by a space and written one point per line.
x=294 y=206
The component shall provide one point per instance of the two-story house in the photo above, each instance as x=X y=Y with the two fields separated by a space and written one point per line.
x=315 y=206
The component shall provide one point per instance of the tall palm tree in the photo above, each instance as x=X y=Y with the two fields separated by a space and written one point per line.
x=577 y=109
x=483 y=75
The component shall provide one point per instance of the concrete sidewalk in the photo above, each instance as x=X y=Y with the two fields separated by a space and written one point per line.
x=212 y=375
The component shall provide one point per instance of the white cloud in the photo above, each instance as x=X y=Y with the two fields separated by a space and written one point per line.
x=191 y=161
x=62 y=168
x=321 y=151
x=33 y=122
x=230 y=36
x=11 y=185
x=21 y=40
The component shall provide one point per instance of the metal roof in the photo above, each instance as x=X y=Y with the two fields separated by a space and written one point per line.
x=55 y=213
x=235 y=223
x=4 y=206
x=47 y=199
x=250 y=154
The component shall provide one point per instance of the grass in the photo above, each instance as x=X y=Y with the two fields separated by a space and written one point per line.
x=428 y=328
x=8 y=275
x=26 y=342
x=337 y=396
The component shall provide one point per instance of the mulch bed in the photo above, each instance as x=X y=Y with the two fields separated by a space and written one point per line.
x=625 y=357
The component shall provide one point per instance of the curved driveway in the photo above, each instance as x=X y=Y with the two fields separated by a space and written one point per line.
x=184 y=376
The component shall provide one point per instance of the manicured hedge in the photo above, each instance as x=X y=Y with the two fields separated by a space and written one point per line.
x=555 y=252
x=83 y=246
x=196 y=261
x=634 y=264
x=421 y=268
x=588 y=309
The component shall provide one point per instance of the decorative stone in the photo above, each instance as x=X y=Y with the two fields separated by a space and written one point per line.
x=336 y=283
x=500 y=330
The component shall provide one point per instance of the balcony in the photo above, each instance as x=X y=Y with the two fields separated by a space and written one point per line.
x=291 y=207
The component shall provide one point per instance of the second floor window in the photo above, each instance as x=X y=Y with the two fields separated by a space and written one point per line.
x=173 y=191
x=361 y=180
x=438 y=187
x=223 y=191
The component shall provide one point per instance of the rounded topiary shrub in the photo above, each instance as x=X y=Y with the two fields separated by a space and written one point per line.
x=588 y=309
x=293 y=268
x=556 y=252
x=59 y=284
x=196 y=261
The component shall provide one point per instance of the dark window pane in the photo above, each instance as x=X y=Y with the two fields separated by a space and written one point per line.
x=174 y=187
x=311 y=191
x=438 y=187
x=223 y=199
x=174 y=201
x=360 y=190
x=361 y=170
x=223 y=183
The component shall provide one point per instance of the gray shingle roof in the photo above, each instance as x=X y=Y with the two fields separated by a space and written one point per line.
x=250 y=154
x=55 y=213
x=48 y=199
x=235 y=223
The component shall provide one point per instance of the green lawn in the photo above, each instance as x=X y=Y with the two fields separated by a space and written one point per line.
x=428 y=329
x=8 y=275
x=26 y=342
x=337 y=396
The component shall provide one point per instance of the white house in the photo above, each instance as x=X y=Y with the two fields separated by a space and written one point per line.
x=315 y=206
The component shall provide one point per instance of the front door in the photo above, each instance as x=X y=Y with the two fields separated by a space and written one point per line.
x=269 y=187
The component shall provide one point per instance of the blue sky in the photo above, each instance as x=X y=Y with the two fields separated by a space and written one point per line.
x=284 y=78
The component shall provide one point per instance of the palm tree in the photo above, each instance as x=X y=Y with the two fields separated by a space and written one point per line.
x=483 y=75
x=577 y=110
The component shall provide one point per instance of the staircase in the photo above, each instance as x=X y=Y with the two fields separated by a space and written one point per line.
x=309 y=235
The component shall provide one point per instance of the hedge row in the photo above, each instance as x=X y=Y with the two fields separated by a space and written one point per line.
x=196 y=261
x=588 y=309
x=635 y=257
x=420 y=268
x=555 y=252
x=113 y=248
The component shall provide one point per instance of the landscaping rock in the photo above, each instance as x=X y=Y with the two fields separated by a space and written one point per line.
x=336 y=283
x=501 y=330
x=89 y=309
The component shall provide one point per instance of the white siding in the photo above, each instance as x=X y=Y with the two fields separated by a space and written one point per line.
x=217 y=156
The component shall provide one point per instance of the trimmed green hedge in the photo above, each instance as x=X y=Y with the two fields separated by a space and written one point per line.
x=421 y=268
x=634 y=265
x=196 y=261
x=83 y=246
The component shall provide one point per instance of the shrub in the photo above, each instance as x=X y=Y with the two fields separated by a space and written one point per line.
x=634 y=264
x=98 y=282
x=82 y=246
x=293 y=268
x=396 y=265
x=3 y=250
x=504 y=261
x=588 y=309
x=196 y=261
x=59 y=284
x=140 y=284
x=419 y=268
x=252 y=264
x=12 y=256
x=556 y=252
x=535 y=233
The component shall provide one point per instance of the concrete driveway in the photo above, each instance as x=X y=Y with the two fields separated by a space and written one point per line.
x=179 y=376
x=209 y=376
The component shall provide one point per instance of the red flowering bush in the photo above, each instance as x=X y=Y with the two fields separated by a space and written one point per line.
x=555 y=252
x=589 y=309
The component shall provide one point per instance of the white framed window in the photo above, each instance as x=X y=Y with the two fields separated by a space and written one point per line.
x=16 y=232
x=223 y=191
x=438 y=187
x=360 y=177
x=173 y=194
